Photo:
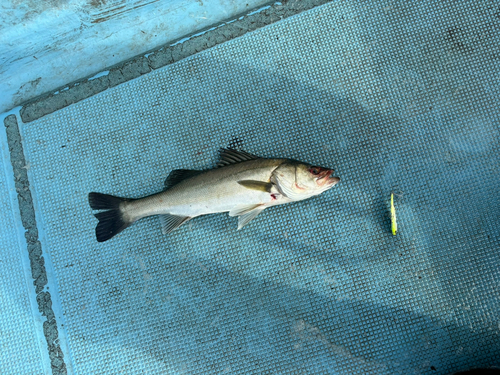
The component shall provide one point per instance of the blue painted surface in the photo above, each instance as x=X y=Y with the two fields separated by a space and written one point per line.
x=396 y=98
x=21 y=337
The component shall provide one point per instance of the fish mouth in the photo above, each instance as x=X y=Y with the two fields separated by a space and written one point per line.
x=325 y=178
x=333 y=180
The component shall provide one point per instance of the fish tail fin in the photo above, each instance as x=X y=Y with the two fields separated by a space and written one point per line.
x=112 y=221
x=100 y=201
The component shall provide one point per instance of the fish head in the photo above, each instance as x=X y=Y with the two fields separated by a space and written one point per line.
x=298 y=181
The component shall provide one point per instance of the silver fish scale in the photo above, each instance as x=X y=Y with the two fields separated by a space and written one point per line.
x=396 y=97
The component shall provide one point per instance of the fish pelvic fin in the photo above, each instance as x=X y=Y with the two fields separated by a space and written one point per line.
x=112 y=221
x=246 y=213
x=243 y=209
x=245 y=218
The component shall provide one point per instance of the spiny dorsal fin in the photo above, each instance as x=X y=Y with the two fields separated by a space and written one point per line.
x=178 y=175
x=231 y=156
x=256 y=185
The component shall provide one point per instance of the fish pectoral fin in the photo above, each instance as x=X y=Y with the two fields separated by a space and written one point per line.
x=257 y=185
x=245 y=218
x=178 y=175
x=171 y=222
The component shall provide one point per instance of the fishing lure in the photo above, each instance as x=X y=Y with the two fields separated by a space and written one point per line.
x=394 y=224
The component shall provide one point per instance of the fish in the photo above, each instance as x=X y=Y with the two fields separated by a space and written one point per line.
x=241 y=184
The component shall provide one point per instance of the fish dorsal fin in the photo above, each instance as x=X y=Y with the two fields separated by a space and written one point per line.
x=231 y=156
x=171 y=222
x=178 y=175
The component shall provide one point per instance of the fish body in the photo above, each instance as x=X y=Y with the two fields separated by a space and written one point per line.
x=242 y=184
x=209 y=192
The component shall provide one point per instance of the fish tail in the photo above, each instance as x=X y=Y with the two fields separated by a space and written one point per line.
x=112 y=221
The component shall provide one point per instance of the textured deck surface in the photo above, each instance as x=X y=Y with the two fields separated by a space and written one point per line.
x=395 y=97
x=21 y=339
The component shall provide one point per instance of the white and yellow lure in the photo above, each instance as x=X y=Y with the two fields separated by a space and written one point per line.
x=394 y=224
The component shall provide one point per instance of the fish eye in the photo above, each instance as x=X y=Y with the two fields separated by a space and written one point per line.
x=314 y=170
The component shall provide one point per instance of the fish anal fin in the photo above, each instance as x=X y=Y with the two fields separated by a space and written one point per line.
x=171 y=222
x=257 y=185
x=178 y=175
x=231 y=156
